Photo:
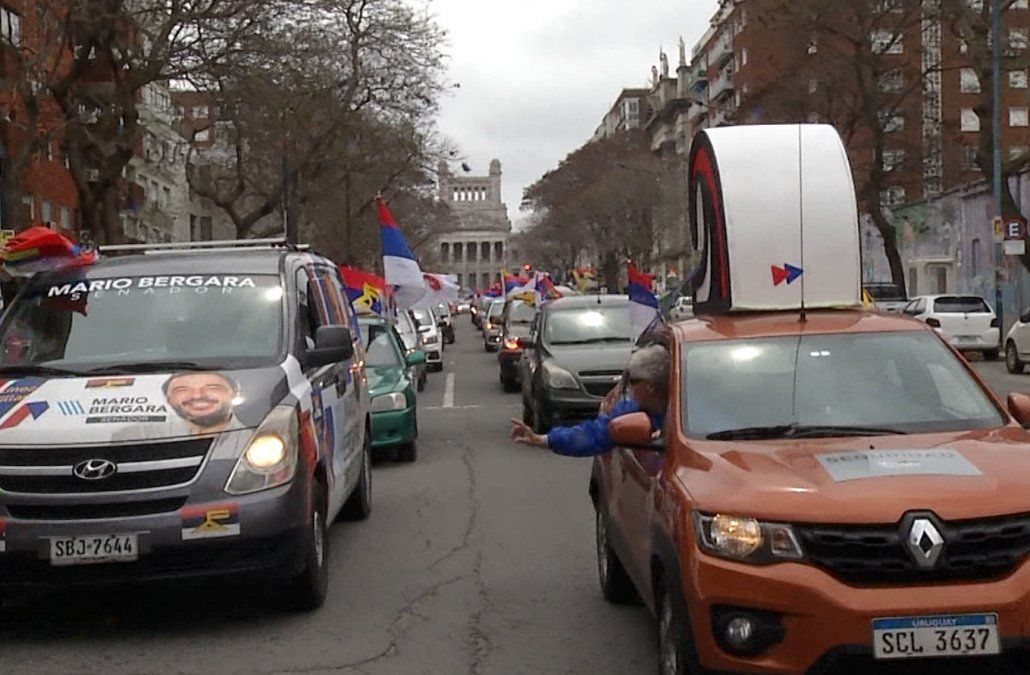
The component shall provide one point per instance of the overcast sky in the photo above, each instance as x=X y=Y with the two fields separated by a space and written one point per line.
x=537 y=76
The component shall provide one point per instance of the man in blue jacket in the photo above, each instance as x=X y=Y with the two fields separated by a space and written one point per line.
x=648 y=375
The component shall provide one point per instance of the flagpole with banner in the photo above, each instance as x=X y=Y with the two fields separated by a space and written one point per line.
x=400 y=269
x=643 y=305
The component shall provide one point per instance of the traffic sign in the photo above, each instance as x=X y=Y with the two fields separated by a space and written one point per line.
x=1015 y=236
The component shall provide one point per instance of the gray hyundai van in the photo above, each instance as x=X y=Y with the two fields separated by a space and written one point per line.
x=181 y=411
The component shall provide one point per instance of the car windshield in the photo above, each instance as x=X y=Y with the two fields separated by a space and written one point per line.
x=443 y=311
x=382 y=351
x=584 y=325
x=520 y=312
x=496 y=309
x=82 y=324
x=423 y=317
x=885 y=292
x=907 y=381
x=960 y=304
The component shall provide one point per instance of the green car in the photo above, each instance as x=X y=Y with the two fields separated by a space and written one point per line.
x=391 y=388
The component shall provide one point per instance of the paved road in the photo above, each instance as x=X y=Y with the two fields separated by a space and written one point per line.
x=478 y=559
x=1000 y=380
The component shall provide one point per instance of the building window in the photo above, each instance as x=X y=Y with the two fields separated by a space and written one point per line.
x=46 y=211
x=486 y=279
x=1017 y=152
x=167 y=196
x=10 y=26
x=445 y=252
x=970 y=120
x=969 y=81
x=1017 y=79
x=743 y=56
x=1020 y=4
x=66 y=218
x=200 y=112
x=1018 y=117
x=970 y=155
x=471 y=251
x=974 y=257
x=893 y=81
x=484 y=251
x=975 y=5
x=893 y=159
x=891 y=121
x=886 y=42
x=206 y=228
x=498 y=251
x=892 y=196
x=203 y=135
x=813 y=85
x=460 y=282
x=1018 y=39
x=459 y=252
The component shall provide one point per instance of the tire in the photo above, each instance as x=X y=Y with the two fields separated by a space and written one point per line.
x=307 y=590
x=509 y=384
x=540 y=425
x=677 y=654
x=421 y=386
x=991 y=354
x=527 y=412
x=616 y=586
x=1012 y=361
x=359 y=505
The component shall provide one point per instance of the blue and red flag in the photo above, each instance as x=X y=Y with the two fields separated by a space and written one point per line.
x=545 y=288
x=400 y=268
x=364 y=290
x=643 y=305
x=512 y=282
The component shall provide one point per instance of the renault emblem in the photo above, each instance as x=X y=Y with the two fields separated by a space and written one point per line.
x=95 y=469
x=924 y=543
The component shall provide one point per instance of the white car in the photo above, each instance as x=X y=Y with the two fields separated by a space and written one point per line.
x=683 y=309
x=432 y=340
x=1017 y=345
x=966 y=321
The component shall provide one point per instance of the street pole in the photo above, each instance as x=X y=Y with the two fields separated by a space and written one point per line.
x=998 y=257
x=289 y=231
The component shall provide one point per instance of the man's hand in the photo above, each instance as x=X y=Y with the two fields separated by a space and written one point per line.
x=521 y=433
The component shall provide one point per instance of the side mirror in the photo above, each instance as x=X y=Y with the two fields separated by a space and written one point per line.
x=424 y=329
x=527 y=343
x=1019 y=406
x=634 y=431
x=1025 y=318
x=333 y=344
x=416 y=357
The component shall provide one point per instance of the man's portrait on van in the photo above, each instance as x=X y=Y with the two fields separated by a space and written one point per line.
x=204 y=400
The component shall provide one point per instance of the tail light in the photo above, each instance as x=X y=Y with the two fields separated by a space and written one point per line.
x=933 y=323
x=511 y=344
x=995 y=323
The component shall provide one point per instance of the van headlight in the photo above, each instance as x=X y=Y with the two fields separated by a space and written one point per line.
x=388 y=402
x=558 y=378
x=270 y=459
x=746 y=539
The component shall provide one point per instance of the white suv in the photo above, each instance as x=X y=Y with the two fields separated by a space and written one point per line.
x=966 y=321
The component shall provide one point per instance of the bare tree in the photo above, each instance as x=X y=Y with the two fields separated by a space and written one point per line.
x=849 y=68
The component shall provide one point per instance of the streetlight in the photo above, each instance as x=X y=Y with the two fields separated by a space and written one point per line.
x=996 y=258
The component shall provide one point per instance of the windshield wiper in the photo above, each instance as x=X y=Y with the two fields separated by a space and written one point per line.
x=593 y=340
x=148 y=367
x=800 y=431
x=38 y=369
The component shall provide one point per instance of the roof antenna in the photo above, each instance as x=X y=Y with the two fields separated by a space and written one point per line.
x=801 y=220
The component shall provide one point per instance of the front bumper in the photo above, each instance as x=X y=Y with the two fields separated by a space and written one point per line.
x=492 y=339
x=986 y=341
x=827 y=620
x=568 y=405
x=265 y=539
x=391 y=428
x=433 y=354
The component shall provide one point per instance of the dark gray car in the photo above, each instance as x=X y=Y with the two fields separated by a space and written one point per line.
x=575 y=355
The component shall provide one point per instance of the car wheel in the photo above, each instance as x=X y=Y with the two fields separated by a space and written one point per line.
x=540 y=424
x=616 y=585
x=991 y=354
x=1012 y=361
x=359 y=504
x=676 y=652
x=422 y=381
x=307 y=590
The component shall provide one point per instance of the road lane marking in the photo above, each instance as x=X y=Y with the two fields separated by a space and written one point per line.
x=469 y=407
x=448 y=392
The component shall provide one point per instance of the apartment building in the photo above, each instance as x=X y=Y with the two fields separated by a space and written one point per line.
x=631 y=109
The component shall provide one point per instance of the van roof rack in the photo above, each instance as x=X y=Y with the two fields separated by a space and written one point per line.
x=226 y=244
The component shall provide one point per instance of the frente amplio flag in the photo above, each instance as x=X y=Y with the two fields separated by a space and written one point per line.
x=400 y=268
x=364 y=290
x=643 y=305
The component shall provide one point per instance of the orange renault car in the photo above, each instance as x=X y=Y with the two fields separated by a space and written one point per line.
x=839 y=489
x=831 y=488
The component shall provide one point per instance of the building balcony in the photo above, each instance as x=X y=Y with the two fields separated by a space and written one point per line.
x=722 y=49
x=698 y=81
x=722 y=85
